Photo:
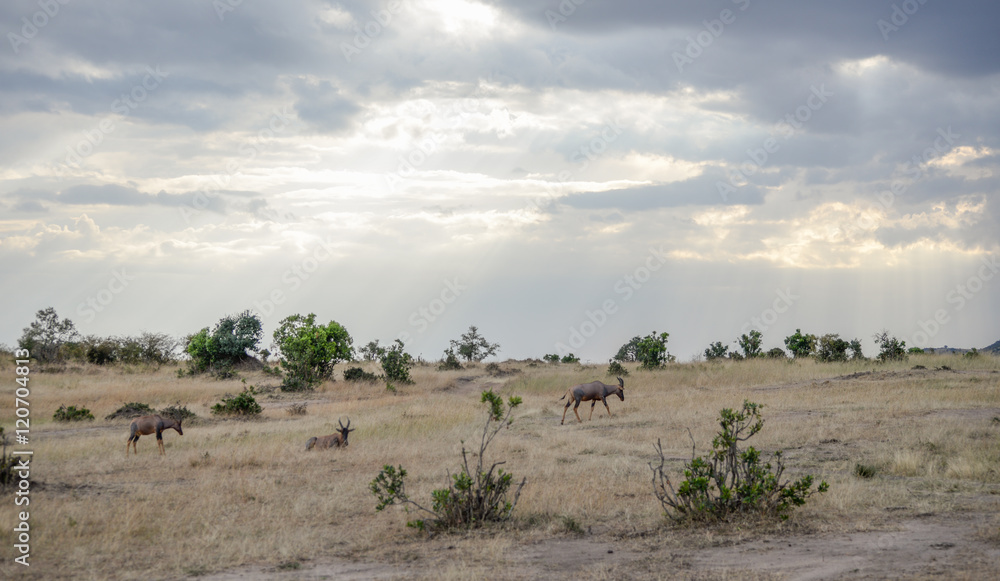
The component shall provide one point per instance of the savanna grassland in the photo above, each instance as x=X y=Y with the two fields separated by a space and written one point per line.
x=244 y=499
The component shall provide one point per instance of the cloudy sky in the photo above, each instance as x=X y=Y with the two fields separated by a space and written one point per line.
x=563 y=174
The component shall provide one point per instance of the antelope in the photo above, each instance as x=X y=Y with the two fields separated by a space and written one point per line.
x=145 y=425
x=333 y=440
x=592 y=392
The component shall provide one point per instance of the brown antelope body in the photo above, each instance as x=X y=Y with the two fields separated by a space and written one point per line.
x=333 y=440
x=146 y=425
x=592 y=392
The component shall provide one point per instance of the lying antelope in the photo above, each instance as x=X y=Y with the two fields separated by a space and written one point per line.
x=333 y=440
x=592 y=392
x=146 y=425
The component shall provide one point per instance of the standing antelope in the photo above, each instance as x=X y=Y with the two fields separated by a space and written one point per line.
x=592 y=392
x=333 y=440
x=146 y=425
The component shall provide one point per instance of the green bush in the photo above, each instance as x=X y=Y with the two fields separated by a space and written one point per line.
x=450 y=361
x=731 y=481
x=475 y=496
x=716 y=351
x=551 y=358
x=776 y=353
x=651 y=351
x=800 y=345
x=47 y=337
x=228 y=344
x=616 y=369
x=750 y=344
x=569 y=359
x=309 y=352
x=396 y=363
x=832 y=348
x=131 y=410
x=177 y=412
x=358 y=374
x=241 y=404
x=71 y=414
x=890 y=348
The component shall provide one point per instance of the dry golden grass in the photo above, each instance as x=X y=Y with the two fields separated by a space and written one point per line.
x=236 y=493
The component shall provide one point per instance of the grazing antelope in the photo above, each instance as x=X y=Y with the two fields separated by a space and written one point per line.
x=333 y=440
x=146 y=425
x=592 y=392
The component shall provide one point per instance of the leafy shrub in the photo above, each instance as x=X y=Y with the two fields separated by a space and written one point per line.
x=241 y=404
x=750 y=343
x=371 y=351
x=800 y=345
x=891 y=348
x=473 y=347
x=832 y=348
x=551 y=358
x=396 y=363
x=72 y=414
x=475 y=496
x=131 y=410
x=731 y=481
x=228 y=344
x=652 y=351
x=310 y=351
x=178 y=412
x=570 y=359
x=358 y=374
x=450 y=361
x=616 y=369
x=970 y=354
x=716 y=351
x=776 y=353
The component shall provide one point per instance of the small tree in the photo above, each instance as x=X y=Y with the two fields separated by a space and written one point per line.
x=473 y=346
x=651 y=351
x=475 y=496
x=832 y=348
x=396 y=363
x=800 y=345
x=46 y=335
x=716 y=351
x=308 y=352
x=229 y=343
x=551 y=358
x=570 y=358
x=730 y=480
x=855 y=347
x=891 y=348
x=371 y=351
x=629 y=352
x=750 y=343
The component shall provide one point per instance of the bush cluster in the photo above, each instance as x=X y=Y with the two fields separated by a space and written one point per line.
x=72 y=414
x=242 y=404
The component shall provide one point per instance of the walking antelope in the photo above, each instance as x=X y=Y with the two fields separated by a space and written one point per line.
x=592 y=392
x=146 y=425
x=333 y=440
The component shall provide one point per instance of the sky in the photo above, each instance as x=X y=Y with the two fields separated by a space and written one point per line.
x=564 y=175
